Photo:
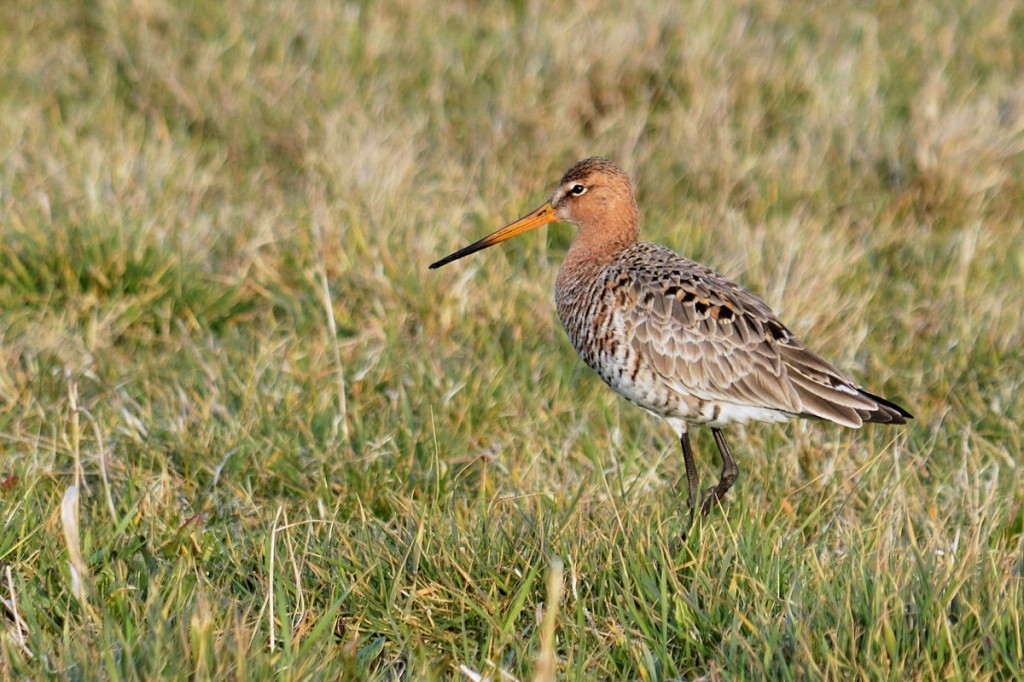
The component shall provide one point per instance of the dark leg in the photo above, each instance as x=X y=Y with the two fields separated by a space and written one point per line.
x=692 y=482
x=729 y=473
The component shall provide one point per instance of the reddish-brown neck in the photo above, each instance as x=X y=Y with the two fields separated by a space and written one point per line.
x=607 y=222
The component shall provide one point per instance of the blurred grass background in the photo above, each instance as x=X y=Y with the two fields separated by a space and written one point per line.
x=300 y=454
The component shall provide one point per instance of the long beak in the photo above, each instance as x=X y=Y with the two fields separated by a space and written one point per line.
x=542 y=216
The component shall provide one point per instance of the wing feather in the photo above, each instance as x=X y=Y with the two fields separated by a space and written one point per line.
x=715 y=340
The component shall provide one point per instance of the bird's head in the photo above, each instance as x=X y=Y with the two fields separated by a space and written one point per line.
x=595 y=195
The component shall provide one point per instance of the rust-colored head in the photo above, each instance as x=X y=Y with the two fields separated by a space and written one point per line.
x=595 y=195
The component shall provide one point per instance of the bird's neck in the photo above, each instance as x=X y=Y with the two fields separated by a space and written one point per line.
x=600 y=246
x=584 y=264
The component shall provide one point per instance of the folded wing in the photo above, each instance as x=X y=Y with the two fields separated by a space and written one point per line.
x=713 y=339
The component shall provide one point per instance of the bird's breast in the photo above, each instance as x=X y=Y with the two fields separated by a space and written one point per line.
x=599 y=314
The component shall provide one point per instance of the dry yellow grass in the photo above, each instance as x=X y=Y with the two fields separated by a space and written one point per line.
x=267 y=489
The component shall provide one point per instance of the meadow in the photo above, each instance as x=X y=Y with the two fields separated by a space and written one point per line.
x=246 y=434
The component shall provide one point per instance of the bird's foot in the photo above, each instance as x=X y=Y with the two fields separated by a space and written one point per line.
x=713 y=497
x=691 y=517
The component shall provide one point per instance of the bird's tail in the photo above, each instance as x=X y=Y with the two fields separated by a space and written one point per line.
x=885 y=413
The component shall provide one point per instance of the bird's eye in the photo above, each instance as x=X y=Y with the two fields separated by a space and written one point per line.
x=577 y=190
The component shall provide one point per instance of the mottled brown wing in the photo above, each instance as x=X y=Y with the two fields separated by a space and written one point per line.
x=717 y=341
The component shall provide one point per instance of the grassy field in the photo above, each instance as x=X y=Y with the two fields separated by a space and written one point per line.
x=245 y=433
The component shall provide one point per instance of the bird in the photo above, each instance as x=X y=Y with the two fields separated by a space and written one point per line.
x=675 y=337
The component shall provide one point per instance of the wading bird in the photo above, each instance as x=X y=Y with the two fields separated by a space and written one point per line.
x=675 y=337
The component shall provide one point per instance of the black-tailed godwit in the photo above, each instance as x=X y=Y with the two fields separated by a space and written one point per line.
x=675 y=337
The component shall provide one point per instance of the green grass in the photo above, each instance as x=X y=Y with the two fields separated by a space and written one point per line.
x=298 y=453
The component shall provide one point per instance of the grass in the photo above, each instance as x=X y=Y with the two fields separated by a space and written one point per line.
x=246 y=433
